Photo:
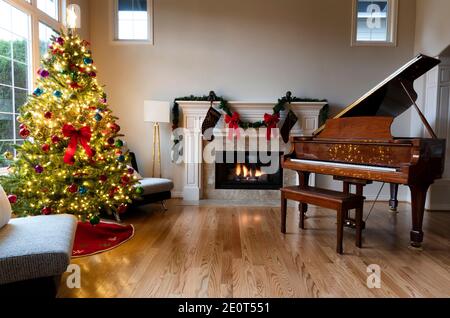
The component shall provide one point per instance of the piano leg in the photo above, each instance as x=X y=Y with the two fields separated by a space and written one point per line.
x=393 y=202
x=418 y=198
x=303 y=180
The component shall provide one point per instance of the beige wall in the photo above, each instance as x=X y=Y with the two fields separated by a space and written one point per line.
x=248 y=50
x=432 y=26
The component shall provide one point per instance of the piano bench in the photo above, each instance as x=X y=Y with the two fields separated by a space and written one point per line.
x=339 y=201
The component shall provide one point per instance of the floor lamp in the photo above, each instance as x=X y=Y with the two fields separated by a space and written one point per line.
x=156 y=112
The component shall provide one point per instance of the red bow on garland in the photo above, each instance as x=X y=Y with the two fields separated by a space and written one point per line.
x=233 y=123
x=82 y=136
x=271 y=121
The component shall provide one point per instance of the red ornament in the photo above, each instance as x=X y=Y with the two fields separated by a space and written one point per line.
x=92 y=74
x=125 y=179
x=103 y=178
x=46 y=210
x=12 y=198
x=130 y=170
x=24 y=133
x=72 y=188
x=118 y=152
x=75 y=85
x=55 y=139
x=45 y=147
x=114 y=127
x=110 y=141
x=122 y=208
x=113 y=191
x=81 y=69
x=48 y=115
x=22 y=126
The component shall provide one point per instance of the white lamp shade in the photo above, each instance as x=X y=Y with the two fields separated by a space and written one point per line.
x=156 y=111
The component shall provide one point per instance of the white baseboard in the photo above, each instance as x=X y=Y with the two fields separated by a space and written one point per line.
x=177 y=194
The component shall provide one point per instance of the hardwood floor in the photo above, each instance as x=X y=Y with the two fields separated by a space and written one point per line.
x=239 y=252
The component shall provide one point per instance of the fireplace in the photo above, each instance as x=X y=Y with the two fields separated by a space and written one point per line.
x=245 y=170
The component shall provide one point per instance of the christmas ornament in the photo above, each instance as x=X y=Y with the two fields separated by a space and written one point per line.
x=122 y=208
x=82 y=190
x=24 y=133
x=94 y=220
x=119 y=143
x=8 y=155
x=43 y=73
x=46 y=210
x=121 y=158
x=39 y=169
x=82 y=136
x=139 y=190
x=75 y=85
x=103 y=178
x=55 y=139
x=12 y=198
x=130 y=170
x=98 y=117
x=110 y=140
x=87 y=60
x=60 y=41
x=38 y=92
x=57 y=94
x=45 y=148
x=92 y=74
x=72 y=188
x=125 y=179
x=114 y=127
x=48 y=115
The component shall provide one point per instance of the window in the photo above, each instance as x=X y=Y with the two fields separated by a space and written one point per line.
x=22 y=40
x=50 y=7
x=133 y=20
x=45 y=35
x=14 y=71
x=374 y=22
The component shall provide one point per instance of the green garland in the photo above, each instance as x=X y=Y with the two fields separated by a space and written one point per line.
x=223 y=105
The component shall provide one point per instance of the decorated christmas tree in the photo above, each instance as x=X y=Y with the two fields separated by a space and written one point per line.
x=71 y=160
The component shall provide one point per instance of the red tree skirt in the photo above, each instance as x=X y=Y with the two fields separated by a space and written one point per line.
x=94 y=239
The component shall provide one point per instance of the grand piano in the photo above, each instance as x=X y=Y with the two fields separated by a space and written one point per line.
x=357 y=143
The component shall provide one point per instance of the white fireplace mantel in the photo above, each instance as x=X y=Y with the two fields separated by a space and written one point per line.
x=194 y=112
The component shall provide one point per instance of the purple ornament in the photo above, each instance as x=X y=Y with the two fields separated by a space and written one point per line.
x=44 y=73
x=130 y=170
x=60 y=41
x=103 y=100
x=39 y=169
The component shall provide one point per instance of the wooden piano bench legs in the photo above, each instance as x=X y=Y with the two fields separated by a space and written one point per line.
x=338 y=201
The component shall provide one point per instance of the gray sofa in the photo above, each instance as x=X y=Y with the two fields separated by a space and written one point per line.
x=34 y=253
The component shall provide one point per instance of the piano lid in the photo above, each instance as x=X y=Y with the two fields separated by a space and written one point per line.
x=389 y=98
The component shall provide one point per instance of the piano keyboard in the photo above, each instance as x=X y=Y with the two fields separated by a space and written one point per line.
x=344 y=165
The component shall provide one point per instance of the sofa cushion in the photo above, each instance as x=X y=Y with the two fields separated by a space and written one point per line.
x=155 y=185
x=35 y=247
x=5 y=208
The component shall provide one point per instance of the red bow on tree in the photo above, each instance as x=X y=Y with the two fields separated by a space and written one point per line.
x=271 y=121
x=233 y=123
x=82 y=136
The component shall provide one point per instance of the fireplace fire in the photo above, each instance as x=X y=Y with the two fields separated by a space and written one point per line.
x=248 y=174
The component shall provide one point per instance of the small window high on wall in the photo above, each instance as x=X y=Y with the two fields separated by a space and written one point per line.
x=133 y=20
x=374 y=22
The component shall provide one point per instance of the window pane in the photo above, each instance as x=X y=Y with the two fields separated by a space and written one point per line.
x=4 y=147
x=20 y=23
x=5 y=43
x=45 y=33
x=20 y=98
x=5 y=71
x=49 y=6
x=372 y=23
x=6 y=99
x=5 y=15
x=6 y=127
x=20 y=47
x=132 y=20
x=20 y=75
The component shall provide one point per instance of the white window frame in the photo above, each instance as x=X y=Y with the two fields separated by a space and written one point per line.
x=392 y=26
x=36 y=16
x=115 y=25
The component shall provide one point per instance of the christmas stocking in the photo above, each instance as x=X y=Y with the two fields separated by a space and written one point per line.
x=211 y=119
x=290 y=121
